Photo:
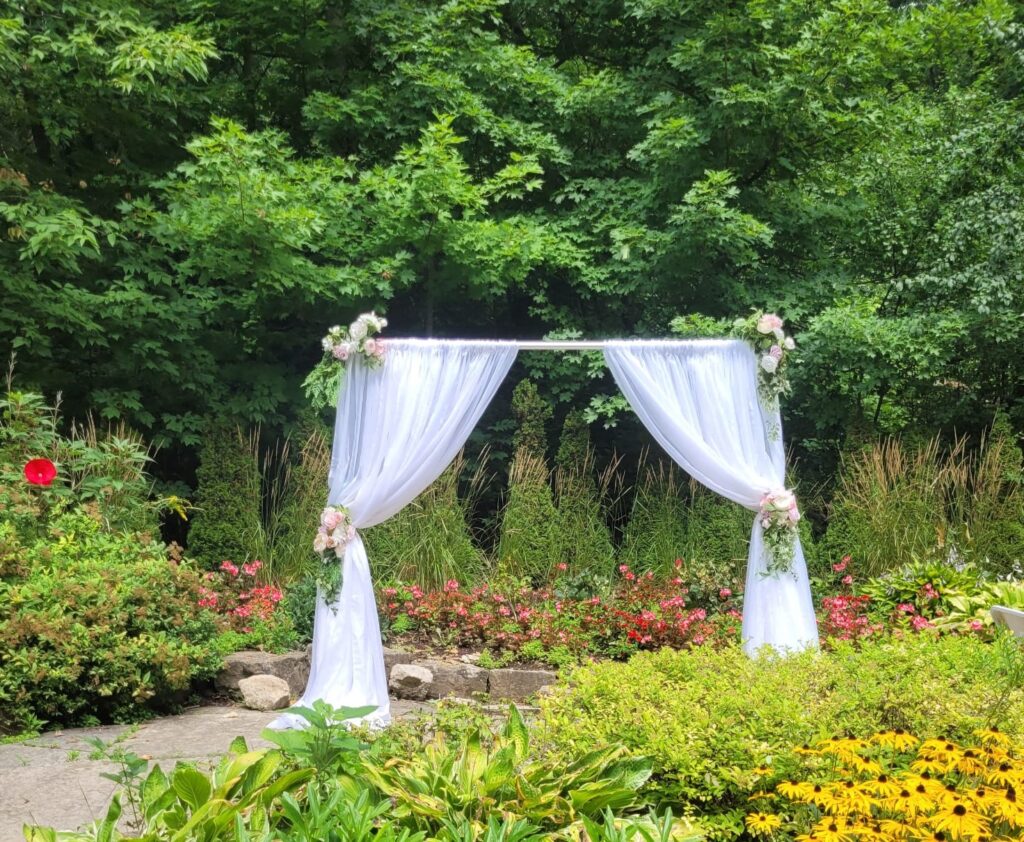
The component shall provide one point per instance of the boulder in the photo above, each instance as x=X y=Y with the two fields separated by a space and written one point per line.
x=463 y=680
x=411 y=681
x=519 y=685
x=393 y=657
x=264 y=692
x=291 y=667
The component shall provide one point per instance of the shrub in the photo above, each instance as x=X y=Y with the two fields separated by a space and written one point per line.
x=529 y=545
x=102 y=470
x=250 y=613
x=95 y=624
x=656 y=532
x=228 y=518
x=709 y=716
x=429 y=541
x=587 y=549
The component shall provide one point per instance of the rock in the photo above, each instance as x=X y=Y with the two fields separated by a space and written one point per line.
x=411 y=681
x=455 y=679
x=264 y=692
x=393 y=657
x=291 y=667
x=519 y=685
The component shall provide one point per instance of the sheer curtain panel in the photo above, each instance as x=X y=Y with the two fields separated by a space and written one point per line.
x=397 y=428
x=699 y=399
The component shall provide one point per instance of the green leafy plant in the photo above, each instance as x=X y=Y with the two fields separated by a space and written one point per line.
x=471 y=781
x=96 y=624
x=228 y=521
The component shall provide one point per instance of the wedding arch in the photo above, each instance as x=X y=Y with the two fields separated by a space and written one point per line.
x=403 y=415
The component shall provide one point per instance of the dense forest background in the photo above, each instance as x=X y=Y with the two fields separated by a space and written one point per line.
x=193 y=191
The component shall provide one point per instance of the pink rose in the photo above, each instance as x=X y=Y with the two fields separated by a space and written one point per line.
x=370 y=346
x=331 y=519
x=775 y=351
x=378 y=350
x=769 y=323
x=794 y=515
x=320 y=542
x=340 y=352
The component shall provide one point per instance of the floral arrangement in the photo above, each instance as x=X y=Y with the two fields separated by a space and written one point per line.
x=893 y=786
x=335 y=532
x=765 y=333
x=339 y=345
x=779 y=518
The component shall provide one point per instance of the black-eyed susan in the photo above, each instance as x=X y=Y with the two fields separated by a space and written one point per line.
x=849 y=798
x=1006 y=808
x=834 y=829
x=960 y=821
x=897 y=829
x=897 y=739
x=796 y=790
x=910 y=802
x=883 y=786
x=992 y=735
x=969 y=763
x=760 y=796
x=1001 y=775
x=763 y=824
x=806 y=751
x=930 y=764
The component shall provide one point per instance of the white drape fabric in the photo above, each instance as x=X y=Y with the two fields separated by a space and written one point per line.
x=698 y=398
x=398 y=427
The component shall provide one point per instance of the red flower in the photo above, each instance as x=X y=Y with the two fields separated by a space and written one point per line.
x=40 y=471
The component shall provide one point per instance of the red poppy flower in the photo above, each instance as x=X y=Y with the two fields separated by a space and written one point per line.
x=40 y=471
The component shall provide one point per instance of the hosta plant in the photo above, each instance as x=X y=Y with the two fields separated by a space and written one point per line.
x=473 y=781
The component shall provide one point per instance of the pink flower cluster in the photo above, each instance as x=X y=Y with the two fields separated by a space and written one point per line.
x=644 y=611
x=235 y=596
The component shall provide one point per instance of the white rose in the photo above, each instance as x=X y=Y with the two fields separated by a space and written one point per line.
x=788 y=343
x=357 y=330
x=320 y=542
x=783 y=501
x=769 y=363
x=326 y=343
x=779 y=334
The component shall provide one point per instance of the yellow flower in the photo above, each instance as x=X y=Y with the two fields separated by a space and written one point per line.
x=849 y=798
x=833 y=829
x=760 y=796
x=929 y=764
x=910 y=802
x=1005 y=806
x=763 y=824
x=959 y=821
x=1002 y=775
x=795 y=791
x=969 y=763
x=883 y=786
x=898 y=739
x=992 y=735
x=896 y=829
x=807 y=751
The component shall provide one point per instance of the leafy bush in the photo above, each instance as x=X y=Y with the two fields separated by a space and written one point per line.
x=895 y=505
x=249 y=612
x=103 y=471
x=587 y=549
x=429 y=541
x=709 y=716
x=95 y=624
x=656 y=532
x=227 y=522
x=522 y=624
x=325 y=783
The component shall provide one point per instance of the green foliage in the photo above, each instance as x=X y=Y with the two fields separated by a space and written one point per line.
x=708 y=718
x=300 y=605
x=530 y=544
x=95 y=623
x=472 y=781
x=656 y=532
x=587 y=549
x=102 y=471
x=228 y=518
x=532 y=413
x=429 y=542
x=896 y=504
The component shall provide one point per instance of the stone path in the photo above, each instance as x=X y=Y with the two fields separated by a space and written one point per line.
x=49 y=780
